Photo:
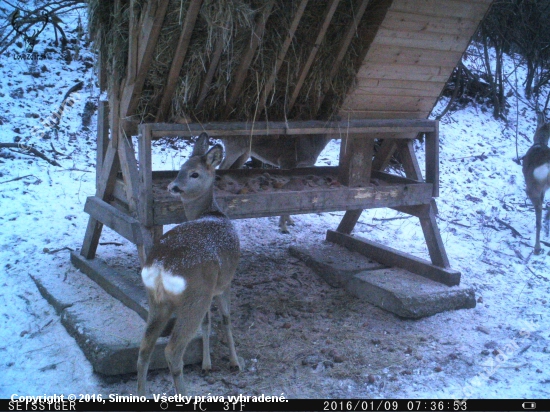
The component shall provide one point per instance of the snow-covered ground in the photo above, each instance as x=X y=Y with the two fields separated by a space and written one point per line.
x=504 y=340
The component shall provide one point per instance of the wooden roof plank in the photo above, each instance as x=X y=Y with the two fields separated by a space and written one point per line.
x=344 y=46
x=282 y=53
x=246 y=60
x=458 y=8
x=211 y=71
x=384 y=54
x=179 y=56
x=398 y=20
x=329 y=13
x=147 y=41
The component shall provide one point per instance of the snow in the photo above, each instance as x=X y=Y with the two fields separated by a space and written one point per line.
x=41 y=215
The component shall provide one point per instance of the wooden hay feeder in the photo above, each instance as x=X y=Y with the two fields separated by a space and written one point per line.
x=378 y=64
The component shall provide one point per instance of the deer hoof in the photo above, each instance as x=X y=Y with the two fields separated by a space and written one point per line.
x=238 y=367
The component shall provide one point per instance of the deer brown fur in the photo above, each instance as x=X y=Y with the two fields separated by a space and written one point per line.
x=189 y=266
x=536 y=170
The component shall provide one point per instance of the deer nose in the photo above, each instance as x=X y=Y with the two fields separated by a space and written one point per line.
x=172 y=187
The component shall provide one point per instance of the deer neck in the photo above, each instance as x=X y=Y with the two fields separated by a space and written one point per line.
x=201 y=205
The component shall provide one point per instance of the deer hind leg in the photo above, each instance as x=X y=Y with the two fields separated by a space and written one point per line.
x=189 y=318
x=285 y=220
x=159 y=315
x=538 y=215
x=206 y=361
x=224 y=303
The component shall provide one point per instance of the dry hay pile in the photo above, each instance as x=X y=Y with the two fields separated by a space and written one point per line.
x=232 y=22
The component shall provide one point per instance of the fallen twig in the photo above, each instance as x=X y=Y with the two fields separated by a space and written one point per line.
x=51 y=252
x=19 y=178
x=515 y=233
x=382 y=219
x=32 y=150
x=111 y=243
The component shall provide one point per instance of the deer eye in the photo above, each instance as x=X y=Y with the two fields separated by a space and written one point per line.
x=194 y=175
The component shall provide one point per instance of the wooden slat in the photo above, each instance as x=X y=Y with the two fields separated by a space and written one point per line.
x=409 y=161
x=383 y=157
x=353 y=113
x=110 y=216
x=387 y=54
x=215 y=60
x=349 y=221
x=246 y=60
x=449 y=24
x=381 y=102
x=179 y=56
x=400 y=72
x=357 y=126
x=279 y=202
x=393 y=257
x=282 y=53
x=429 y=41
x=473 y=10
x=329 y=13
x=133 y=30
x=150 y=31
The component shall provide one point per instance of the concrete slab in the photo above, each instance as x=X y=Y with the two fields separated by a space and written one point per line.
x=409 y=295
x=107 y=331
x=335 y=264
x=396 y=290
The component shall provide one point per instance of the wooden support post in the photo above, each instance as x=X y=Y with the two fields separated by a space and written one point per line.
x=355 y=161
x=354 y=170
x=102 y=136
x=145 y=193
x=329 y=13
x=179 y=56
x=432 y=159
x=409 y=160
x=242 y=70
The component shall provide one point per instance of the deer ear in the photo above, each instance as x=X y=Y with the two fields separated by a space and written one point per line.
x=201 y=145
x=214 y=156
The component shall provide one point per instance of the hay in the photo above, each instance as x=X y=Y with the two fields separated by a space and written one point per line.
x=232 y=23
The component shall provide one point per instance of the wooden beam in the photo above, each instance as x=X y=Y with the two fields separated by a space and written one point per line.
x=383 y=157
x=432 y=159
x=122 y=223
x=179 y=56
x=355 y=126
x=150 y=31
x=133 y=31
x=393 y=257
x=282 y=53
x=329 y=13
x=246 y=59
x=349 y=221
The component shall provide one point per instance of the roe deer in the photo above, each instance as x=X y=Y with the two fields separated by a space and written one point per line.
x=536 y=170
x=285 y=153
x=189 y=266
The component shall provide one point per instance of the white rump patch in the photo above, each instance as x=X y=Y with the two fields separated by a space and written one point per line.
x=171 y=283
x=541 y=172
x=149 y=276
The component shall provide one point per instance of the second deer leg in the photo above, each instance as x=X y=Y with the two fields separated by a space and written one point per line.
x=538 y=214
x=224 y=303
x=206 y=361
x=189 y=318
x=285 y=220
x=159 y=315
